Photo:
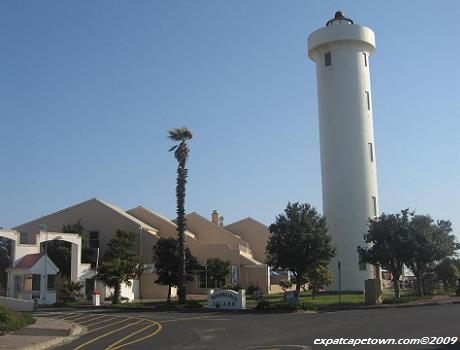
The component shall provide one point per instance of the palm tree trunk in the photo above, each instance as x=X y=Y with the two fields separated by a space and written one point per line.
x=297 y=288
x=396 y=288
x=116 y=294
x=168 y=299
x=181 y=224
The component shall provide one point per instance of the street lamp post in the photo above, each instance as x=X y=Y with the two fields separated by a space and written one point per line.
x=339 y=266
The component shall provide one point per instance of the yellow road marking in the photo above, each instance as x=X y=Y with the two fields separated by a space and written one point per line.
x=84 y=317
x=106 y=334
x=205 y=318
x=67 y=317
x=107 y=319
x=111 y=324
x=114 y=347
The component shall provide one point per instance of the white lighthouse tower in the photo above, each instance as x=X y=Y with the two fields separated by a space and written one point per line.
x=341 y=51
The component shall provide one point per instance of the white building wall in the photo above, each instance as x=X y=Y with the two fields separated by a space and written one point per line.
x=348 y=169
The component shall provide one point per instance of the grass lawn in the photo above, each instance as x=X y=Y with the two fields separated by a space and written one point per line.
x=321 y=302
x=306 y=301
x=12 y=321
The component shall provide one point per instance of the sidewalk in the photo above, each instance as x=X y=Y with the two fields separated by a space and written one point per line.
x=435 y=300
x=45 y=333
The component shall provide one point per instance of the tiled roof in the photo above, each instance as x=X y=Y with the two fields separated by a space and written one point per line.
x=28 y=261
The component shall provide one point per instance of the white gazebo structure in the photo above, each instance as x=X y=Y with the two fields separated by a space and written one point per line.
x=32 y=273
x=33 y=278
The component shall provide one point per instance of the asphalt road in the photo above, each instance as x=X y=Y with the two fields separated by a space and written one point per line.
x=245 y=331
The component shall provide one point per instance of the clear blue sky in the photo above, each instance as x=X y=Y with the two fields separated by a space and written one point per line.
x=88 y=90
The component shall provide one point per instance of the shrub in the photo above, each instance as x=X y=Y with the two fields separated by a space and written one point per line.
x=264 y=305
x=12 y=321
x=251 y=289
x=71 y=291
x=234 y=287
x=307 y=306
x=192 y=304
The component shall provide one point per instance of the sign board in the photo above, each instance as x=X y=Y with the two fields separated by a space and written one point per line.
x=227 y=299
x=291 y=297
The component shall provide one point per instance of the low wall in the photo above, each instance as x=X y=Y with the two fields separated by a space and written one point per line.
x=17 y=304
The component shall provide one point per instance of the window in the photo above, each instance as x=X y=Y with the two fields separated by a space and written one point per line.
x=368 y=100
x=371 y=151
x=51 y=285
x=23 y=238
x=203 y=278
x=93 y=241
x=36 y=282
x=374 y=206
x=89 y=287
x=327 y=59
x=365 y=59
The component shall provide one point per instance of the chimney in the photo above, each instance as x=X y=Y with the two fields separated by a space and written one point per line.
x=217 y=219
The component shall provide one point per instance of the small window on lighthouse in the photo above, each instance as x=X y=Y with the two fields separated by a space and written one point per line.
x=371 y=151
x=327 y=59
x=368 y=100
x=374 y=206
x=365 y=59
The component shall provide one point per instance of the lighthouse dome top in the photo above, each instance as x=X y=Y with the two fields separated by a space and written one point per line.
x=339 y=18
x=339 y=32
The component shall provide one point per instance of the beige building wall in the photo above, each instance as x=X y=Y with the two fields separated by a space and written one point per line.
x=151 y=290
x=210 y=233
x=256 y=276
x=204 y=238
x=165 y=227
x=208 y=240
x=223 y=244
x=105 y=218
x=253 y=232
x=96 y=216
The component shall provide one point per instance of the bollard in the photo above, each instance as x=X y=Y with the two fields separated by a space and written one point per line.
x=96 y=298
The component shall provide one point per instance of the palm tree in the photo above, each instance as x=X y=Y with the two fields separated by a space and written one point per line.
x=181 y=152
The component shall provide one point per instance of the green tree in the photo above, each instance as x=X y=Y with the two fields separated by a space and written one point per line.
x=285 y=284
x=60 y=252
x=181 y=152
x=72 y=290
x=447 y=272
x=218 y=270
x=387 y=238
x=120 y=263
x=429 y=242
x=88 y=254
x=5 y=259
x=166 y=258
x=318 y=278
x=76 y=227
x=456 y=263
x=299 y=242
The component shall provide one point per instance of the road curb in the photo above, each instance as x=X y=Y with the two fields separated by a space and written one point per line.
x=73 y=333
